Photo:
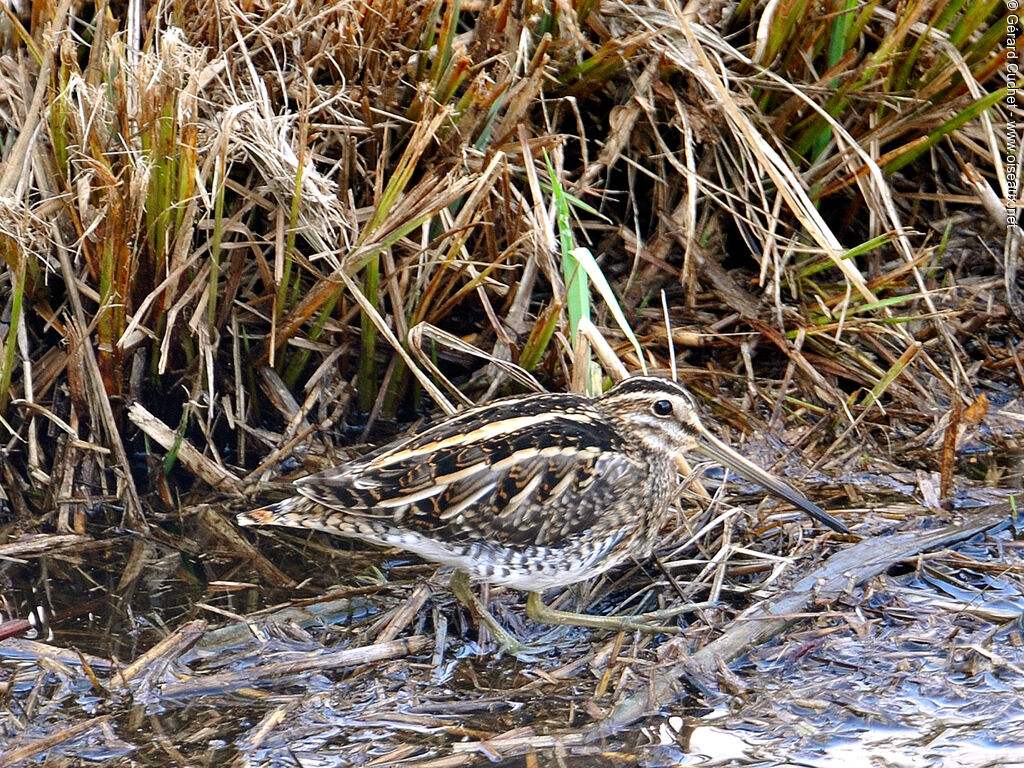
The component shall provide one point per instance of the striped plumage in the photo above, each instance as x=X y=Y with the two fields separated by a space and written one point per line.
x=533 y=492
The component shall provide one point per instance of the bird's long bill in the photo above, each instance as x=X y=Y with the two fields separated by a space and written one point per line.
x=715 y=449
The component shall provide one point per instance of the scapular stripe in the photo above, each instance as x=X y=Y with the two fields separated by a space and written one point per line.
x=482 y=433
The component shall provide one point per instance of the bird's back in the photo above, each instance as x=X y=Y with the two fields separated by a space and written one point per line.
x=532 y=492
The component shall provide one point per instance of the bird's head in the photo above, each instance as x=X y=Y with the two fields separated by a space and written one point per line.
x=661 y=414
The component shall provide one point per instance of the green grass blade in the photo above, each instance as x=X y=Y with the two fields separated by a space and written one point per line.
x=957 y=121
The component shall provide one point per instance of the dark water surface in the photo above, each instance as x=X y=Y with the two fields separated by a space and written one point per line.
x=924 y=666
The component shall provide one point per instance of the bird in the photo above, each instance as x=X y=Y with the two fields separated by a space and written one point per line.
x=532 y=492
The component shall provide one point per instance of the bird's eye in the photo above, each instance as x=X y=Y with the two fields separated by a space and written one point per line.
x=662 y=408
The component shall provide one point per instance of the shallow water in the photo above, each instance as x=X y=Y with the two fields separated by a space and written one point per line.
x=924 y=666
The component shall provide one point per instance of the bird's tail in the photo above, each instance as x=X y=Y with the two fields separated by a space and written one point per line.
x=293 y=513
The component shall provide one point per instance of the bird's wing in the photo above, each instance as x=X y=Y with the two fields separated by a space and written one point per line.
x=527 y=474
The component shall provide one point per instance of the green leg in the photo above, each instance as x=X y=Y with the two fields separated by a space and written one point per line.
x=464 y=593
x=544 y=614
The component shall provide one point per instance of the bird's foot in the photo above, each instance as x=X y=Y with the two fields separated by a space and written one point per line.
x=507 y=642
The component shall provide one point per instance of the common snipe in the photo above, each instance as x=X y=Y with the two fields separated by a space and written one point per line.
x=532 y=492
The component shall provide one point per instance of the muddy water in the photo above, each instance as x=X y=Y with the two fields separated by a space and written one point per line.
x=924 y=666
x=928 y=670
